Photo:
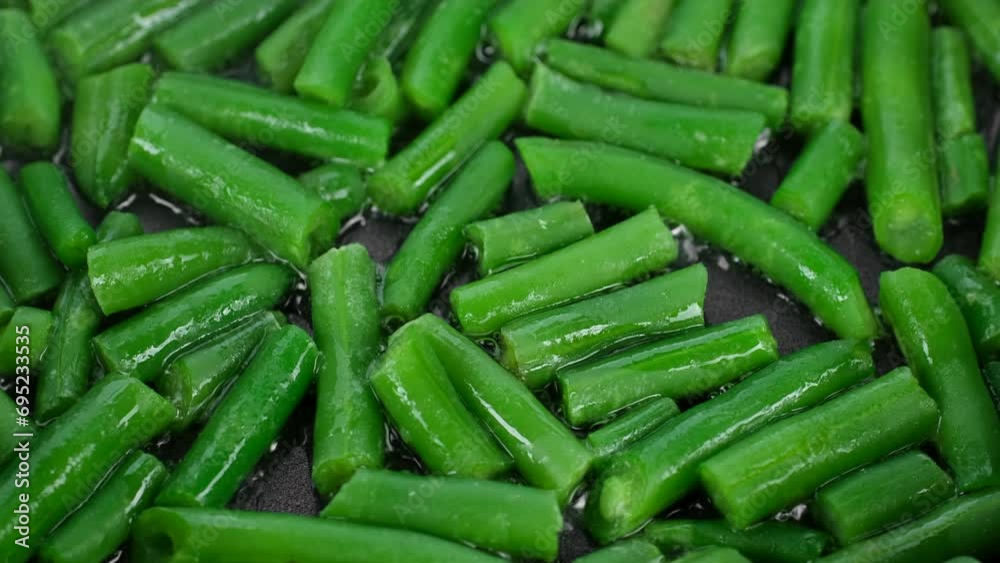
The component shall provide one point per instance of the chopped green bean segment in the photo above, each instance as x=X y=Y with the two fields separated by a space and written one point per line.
x=822 y=88
x=637 y=26
x=713 y=554
x=992 y=374
x=46 y=13
x=978 y=297
x=767 y=542
x=402 y=30
x=965 y=175
x=55 y=213
x=520 y=27
x=981 y=21
x=631 y=427
x=377 y=92
x=604 y=11
x=340 y=185
x=118 y=224
x=279 y=57
x=25 y=336
x=758 y=38
x=989 y=252
x=630 y=551
x=951 y=81
x=6 y=306
x=12 y=433
x=30 y=112
x=693 y=36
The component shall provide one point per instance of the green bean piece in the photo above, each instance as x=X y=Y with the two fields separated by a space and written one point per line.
x=631 y=551
x=992 y=374
x=822 y=88
x=215 y=34
x=247 y=420
x=47 y=14
x=231 y=186
x=768 y=542
x=338 y=184
x=637 y=26
x=757 y=40
x=951 y=82
x=55 y=213
x=691 y=364
x=118 y=224
x=981 y=21
x=12 y=433
x=377 y=92
x=30 y=112
x=967 y=525
x=693 y=36
x=631 y=427
x=479 y=116
x=455 y=508
x=25 y=336
x=604 y=11
x=989 y=252
x=622 y=253
x=194 y=382
x=781 y=248
x=963 y=559
x=135 y=271
x=881 y=496
x=717 y=140
x=145 y=343
x=504 y=242
x=713 y=554
x=664 y=82
x=399 y=35
x=436 y=63
x=978 y=297
x=427 y=410
x=545 y=452
x=72 y=456
x=662 y=468
x=436 y=243
x=821 y=175
x=349 y=430
x=6 y=306
x=279 y=57
x=241 y=112
x=965 y=175
x=176 y=535
x=933 y=336
x=520 y=27
x=329 y=68
x=95 y=531
x=534 y=347
x=108 y=34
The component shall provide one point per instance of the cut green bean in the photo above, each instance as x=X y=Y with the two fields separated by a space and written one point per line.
x=95 y=531
x=989 y=252
x=951 y=81
x=504 y=242
x=767 y=542
x=6 y=306
x=402 y=30
x=12 y=434
x=434 y=245
x=658 y=471
x=25 y=336
x=349 y=431
x=241 y=112
x=534 y=347
x=106 y=108
x=604 y=11
x=627 y=251
x=758 y=38
x=637 y=26
x=135 y=271
x=713 y=554
x=55 y=213
x=195 y=381
x=72 y=456
x=992 y=374
x=340 y=185
x=693 y=36
x=821 y=175
x=231 y=186
x=377 y=92
x=717 y=140
x=822 y=88
x=29 y=94
x=455 y=508
x=979 y=299
x=179 y=535
x=144 y=344
x=46 y=14
x=214 y=34
x=521 y=26
x=631 y=427
x=631 y=551
x=965 y=175
x=687 y=365
x=545 y=452
x=664 y=82
x=783 y=250
x=414 y=388
x=480 y=115
x=118 y=224
x=981 y=21
x=933 y=336
x=436 y=63
x=279 y=57
x=248 y=419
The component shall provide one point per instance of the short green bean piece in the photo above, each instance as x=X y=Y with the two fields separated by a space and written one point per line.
x=713 y=554
x=659 y=470
x=951 y=81
x=339 y=184
x=965 y=175
x=822 y=88
x=119 y=224
x=183 y=535
x=504 y=242
x=231 y=186
x=134 y=271
x=436 y=243
x=631 y=427
x=757 y=40
x=46 y=14
x=767 y=542
x=992 y=374
x=654 y=80
x=455 y=508
x=12 y=433
x=6 y=306
x=55 y=213
x=630 y=551
x=933 y=336
x=521 y=26
x=537 y=345
x=821 y=175
x=622 y=253
x=216 y=33
x=377 y=92
x=25 y=336
x=981 y=21
x=479 y=116
x=694 y=32
x=30 y=112
x=145 y=343
x=402 y=30
x=94 y=532
x=978 y=296
x=349 y=430
x=116 y=416
x=717 y=140
x=279 y=57
x=780 y=247
x=604 y=11
x=246 y=422
x=690 y=364
x=989 y=252
x=637 y=26
x=26 y=267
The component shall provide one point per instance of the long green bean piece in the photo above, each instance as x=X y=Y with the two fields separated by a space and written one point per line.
x=26 y=267
x=630 y=427
x=772 y=542
x=951 y=81
x=55 y=213
x=758 y=38
x=978 y=297
x=30 y=113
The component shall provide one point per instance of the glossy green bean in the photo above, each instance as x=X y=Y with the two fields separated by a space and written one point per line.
x=822 y=88
x=767 y=542
x=11 y=432
x=377 y=92
x=630 y=551
x=25 y=336
x=436 y=243
x=989 y=252
x=991 y=372
x=349 y=429
x=520 y=26
x=978 y=297
x=340 y=185
x=6 y=306
x=951 y=83
x=693 y=36
x=965 y=175
x=981 y=21
x=279 y=57
x=29 y=93
x=604 y=11
x=402 y=30
x=55 y=213
x=781 y=248
x=713 y=554
x=246 y=422
x=26 y=267
x=933 y=336
x=631 y=427
x=46 y=13
x=757 y=40
x=637 y=26
x=118 y=224
x=535 y=346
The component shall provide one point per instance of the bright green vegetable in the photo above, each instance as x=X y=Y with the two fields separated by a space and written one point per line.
x=26 y=267
x=713 y=554
x=29 y=94
x=989 y=252
x=992 y=374
x=978 y=297
x=6 y=307
x=981 y=21
x=951 y=84
x=965 y=175
x=693 y=36
x=12 y=433
x=55 y=213
x=377 y=92
x=340 y=185
x=520 y=26
x=631 y=427
x=402 y=30
x=25 y=336
x=604 y=11
x=46 y=13
x=767 y=542
x=279 y=57
x=822 y=88
x=637 y=26
x=118 y=224
x=758 y=38
x=631 y=551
